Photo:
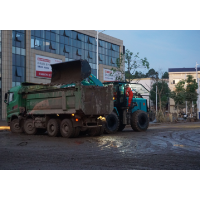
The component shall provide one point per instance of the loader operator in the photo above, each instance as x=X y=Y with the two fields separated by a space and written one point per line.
x=129 y=94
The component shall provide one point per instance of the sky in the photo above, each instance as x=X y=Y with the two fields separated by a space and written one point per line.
x=163 y=48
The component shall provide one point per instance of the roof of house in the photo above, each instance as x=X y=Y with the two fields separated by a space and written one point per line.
x=192 y=69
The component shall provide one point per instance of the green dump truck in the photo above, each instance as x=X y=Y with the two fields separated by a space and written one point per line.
x=36 y=108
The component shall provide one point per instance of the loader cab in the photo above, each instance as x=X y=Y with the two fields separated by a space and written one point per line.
x=119 y=95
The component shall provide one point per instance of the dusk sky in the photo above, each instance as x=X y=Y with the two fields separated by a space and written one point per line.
x=163 y=49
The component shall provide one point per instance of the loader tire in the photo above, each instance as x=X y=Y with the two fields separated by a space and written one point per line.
x=53 y=128
x=139 y=121
x=96 y=131
x=14 y=126
x=29 y=127
x=112 y=123
x=66 y=128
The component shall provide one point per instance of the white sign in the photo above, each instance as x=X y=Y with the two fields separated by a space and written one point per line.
x=43 y=66
x=109 y=75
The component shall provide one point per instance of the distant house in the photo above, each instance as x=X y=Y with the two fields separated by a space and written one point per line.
x=177 y=74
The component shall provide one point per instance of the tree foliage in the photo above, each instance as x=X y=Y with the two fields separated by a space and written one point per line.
x=165 y=75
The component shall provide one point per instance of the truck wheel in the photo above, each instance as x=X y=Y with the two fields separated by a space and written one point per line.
x=96 y=131
x=76 y=132
x=112 y=123
x=66 y=128
x=29 y=127
x=41 y=130
x=121 y=127
x=52 y=127
x=139 y=121
x=14 y=126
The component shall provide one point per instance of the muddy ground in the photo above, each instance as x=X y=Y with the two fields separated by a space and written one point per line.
x=167 y=146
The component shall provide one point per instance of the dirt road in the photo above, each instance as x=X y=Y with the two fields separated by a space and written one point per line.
x=166 y=146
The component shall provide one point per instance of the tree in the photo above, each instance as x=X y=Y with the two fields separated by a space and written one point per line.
x=165 y=75
x=132 y=62
x=191 y=93
x=163 y=93
x=151 y=73
x=179 y=94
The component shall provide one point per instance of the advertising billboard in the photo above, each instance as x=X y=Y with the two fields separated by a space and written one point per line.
x=43 y=66
x=109 y=75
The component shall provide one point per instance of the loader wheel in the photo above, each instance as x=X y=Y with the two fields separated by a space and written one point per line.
x=139 y=121
x=14 y=126
x=121 y=127
x=112 y=123
x=52 y=127
x=96 y=131
x=29 y=127
x=66 y=128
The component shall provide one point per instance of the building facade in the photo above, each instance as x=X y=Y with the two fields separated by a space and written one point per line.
x=25 y=56
x=177 y=74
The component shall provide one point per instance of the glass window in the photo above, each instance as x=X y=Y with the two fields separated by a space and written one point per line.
x=66 y=40
x=91 y=40
x=66 y=49
x=37 y=42
x=22 y=61
x=79 y=36
x=57 y=38
x=11 y=97
x=78 y=44
x=43 y=34
x=113 y=47
x=85 y=38
x=53 y=36
x=61 y=51
x=109 y=52
x=52 y=45
x=53 y=31
x=67 y=33
x=86 y=46
x=61 y=32
x=70 y=42
x=74 y=35
x=100 y=57
x=19 y=72
x=13 y=59
x=90 y=54
x=32 y=32
x=73 y=43
x=100 y=43
x=47 y=44
x=37 y=33
x=109 y=45
x=79 y=52
x=23 y=52
x=113 y=60
x=17 y=60
x=57 y=48
x=47 y=35
x=62 y=39
x=32 y=42
x=17 y=50
x=17 y=36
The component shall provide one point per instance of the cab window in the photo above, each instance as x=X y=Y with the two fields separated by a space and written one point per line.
x=11 y=97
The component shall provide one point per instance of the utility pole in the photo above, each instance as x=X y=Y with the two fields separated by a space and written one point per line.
x=156 y=99
x=197 y=91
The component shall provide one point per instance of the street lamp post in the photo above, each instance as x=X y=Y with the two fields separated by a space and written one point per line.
x=197 y=92
x=98 y=53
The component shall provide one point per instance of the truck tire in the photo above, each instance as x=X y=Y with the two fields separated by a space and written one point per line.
x=14 y=126
x=121 y=127
x=96 y=131
x=29 y=127
x=66 y=128
x=53 y=128
x=139 y=121
x=41 y=131
x=112 y=123
x=76 y=132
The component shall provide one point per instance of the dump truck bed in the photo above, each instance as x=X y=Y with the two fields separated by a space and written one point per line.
x=89 y=100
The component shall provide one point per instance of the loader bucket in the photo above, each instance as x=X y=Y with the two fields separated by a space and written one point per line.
x=70 y=72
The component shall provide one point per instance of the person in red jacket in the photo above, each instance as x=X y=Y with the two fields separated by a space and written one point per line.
x=129 y=94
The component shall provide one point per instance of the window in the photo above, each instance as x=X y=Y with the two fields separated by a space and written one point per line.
x=100 y=43
x=19 y=71
x=100 y=57
x=90 y=55
x=113 y=60
x=66 y=33
x=11 y=97
x=52 y=46
x=66 y=49
x=79 y=52
x=90 y=40
x=79 y=37
x=37 y=42
x=17 y=37
x=113 y=47
x=173 y=81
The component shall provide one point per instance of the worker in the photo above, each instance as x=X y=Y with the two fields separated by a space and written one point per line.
x=129 y=94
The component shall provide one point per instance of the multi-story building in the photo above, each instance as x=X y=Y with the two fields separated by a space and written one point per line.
x=25 y=56
x=177 y=74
